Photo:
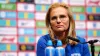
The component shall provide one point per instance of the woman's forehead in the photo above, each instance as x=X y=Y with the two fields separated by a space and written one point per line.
x=58 y=10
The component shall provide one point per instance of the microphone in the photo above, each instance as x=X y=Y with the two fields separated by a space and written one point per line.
x=91 y=41
x=74 y=39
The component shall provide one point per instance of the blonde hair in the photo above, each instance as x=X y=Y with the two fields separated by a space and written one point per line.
x=71 y=30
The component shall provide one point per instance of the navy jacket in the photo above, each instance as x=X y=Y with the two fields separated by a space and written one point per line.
x=70 y=50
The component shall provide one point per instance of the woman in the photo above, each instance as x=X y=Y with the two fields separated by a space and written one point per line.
x=61 y=24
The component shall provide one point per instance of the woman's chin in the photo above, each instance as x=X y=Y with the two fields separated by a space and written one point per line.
x=59 y=30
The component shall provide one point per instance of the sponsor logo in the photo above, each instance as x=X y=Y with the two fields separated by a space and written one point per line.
x=80 y=9
x=94 y=24
x=60 y=0
x=7 y=14
x=90 y=17
x=27 y=54
x=27 y=1
x=42 y=7
x=7 y=22
x=80 y=24
x=93 y=17
x=41 y=31
x=23 y=47
x=28 y=31
x=43 y=1
x=21 y=0
x=12 y=1
x=76 y=54
x=8 y=6
x=78 y=2
x=26 y=39
x=8 y=54
x=25 y=15
x=54 y=1
x=26 y=47
x=93 y=2
x=94 y=10
x=79 y=16
x=94 y=33
x=40 y=16
x=25 y=7
x=26 y=23
x=81 y=33
x=2 y=14
x=8 y=39
x=8 y=47
x=3 y=1
x=11 y=14
x=40 y=24
x=8 y=31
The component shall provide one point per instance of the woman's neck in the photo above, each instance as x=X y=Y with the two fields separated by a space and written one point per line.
x=61 y=35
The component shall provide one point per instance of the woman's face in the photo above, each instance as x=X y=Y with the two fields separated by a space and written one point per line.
x=59 y=19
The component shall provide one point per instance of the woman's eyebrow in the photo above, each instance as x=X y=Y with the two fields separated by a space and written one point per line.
x=62 y=15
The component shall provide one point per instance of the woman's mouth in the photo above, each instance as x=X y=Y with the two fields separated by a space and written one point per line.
x=59 y=26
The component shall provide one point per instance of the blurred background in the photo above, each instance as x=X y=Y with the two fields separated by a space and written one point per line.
x=22 y=23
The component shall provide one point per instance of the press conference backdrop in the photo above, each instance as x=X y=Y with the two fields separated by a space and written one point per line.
x=22 y=23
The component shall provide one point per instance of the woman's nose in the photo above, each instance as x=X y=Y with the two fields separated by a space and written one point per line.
x=58 y=20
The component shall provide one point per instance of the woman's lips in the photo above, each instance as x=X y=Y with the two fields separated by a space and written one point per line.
x=59 y=26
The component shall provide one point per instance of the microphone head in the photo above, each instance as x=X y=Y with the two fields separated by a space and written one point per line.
x=74 y=39
x=92 y=41
x=96 y=40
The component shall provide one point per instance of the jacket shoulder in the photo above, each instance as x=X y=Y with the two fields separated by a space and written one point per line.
x=81 y=39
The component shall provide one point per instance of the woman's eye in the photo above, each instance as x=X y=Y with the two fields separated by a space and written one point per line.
x=54 y=17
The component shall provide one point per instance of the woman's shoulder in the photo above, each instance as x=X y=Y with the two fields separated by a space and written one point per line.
x=47 y=36
x=44 y=37
x=81 y=39
x=43 y=41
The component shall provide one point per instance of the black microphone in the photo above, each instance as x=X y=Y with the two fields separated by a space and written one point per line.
x=91 y=41
x=74 y=39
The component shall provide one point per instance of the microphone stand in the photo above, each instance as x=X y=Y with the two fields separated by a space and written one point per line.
x=91 y=42
x=92 y=47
